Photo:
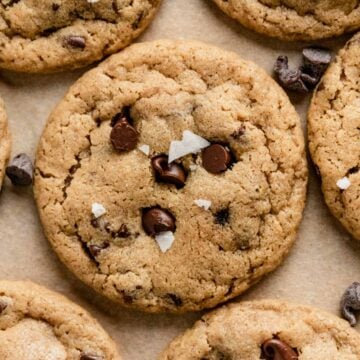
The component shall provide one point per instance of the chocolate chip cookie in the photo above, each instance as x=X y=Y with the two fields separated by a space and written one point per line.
x=172 y=177
x=293 y=19
x=334 y=135
x=38 y=324
x=5 y=141
x=270 y=330
x=55 y=35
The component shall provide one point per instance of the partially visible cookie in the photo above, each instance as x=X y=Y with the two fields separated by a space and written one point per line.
x=172 y=177
x=38 y=324
x=334 y=136
x=55 y=35
x=267 y=329
x=5 y=141
x=293 y=19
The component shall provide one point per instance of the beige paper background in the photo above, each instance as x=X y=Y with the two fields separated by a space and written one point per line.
x=324 y=261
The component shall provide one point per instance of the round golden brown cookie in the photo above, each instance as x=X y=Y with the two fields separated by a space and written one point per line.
x=334 y=136
x=293 y=19
x=55 y=35
x=38 y=324
x=262 y=329
x=186 y=235
x=5 y=141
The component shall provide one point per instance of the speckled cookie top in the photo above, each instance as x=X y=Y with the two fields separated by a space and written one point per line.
x=334 y=134
x=229 y=228
x=38 y=324
x=54 y=35
x=5 y=141
x=294 y=19
x=239 y=331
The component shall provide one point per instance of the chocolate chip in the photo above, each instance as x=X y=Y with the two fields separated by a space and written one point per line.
x=55 y=7
x=350 y=302
x=275 y=349
x=75 y=41
x=124 y=137
x=175 y=299
x=85 y=356
x=157 y=220
x=123 y=114
x=289 y=78
x=95 y=250
x=353 y=170
x=20 y=170
x=168 y=173
x=222 y=217
x=123 y=232
x=216 y=158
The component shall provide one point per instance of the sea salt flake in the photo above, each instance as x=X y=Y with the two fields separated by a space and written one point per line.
x=205 y=204
x=190 y=144
x=343 y=183
x=145 y=149
x=165 y=240
x=98 y=210
x=92 y=1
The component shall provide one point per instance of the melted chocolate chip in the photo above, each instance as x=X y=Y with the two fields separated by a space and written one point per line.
x=157 y=220
x=20 y=170
x=350 y=302
x=275 y=349
x=95 y=250
x=222 y=217
x=168 y=173
x=216 y=158
x=124 y=136
x=75 y=41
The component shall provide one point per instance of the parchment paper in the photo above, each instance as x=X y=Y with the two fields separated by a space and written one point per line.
x=324 y=261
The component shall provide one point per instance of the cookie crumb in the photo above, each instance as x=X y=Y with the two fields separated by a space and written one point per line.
x=343 y=183
x=205 y=204
x=190 y=144
x=98 y=210
x=165 y=240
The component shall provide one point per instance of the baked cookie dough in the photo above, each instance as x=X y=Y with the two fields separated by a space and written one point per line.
x=38 y=324
x=55 y=35
x=5 y=141
x=186 y=235
x=334 y=136
x=262 y=329
x=293 y=19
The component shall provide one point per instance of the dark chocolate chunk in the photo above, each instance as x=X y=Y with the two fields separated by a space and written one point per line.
x=289 y=78
x=350 y=302
x=20 y=170
x=222 y=217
